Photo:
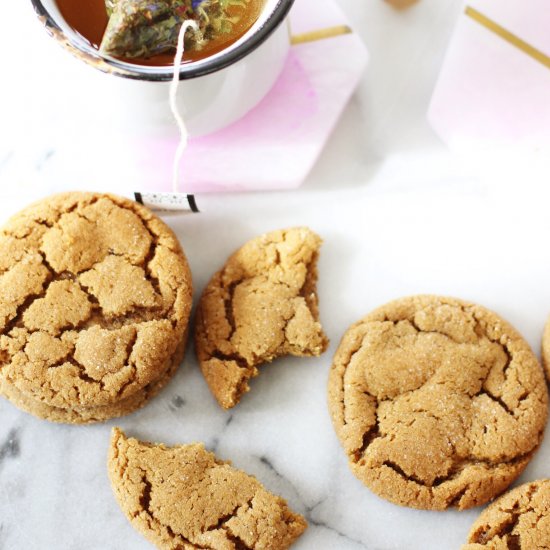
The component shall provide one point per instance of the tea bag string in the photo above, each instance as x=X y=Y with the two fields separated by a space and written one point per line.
x=184 y=135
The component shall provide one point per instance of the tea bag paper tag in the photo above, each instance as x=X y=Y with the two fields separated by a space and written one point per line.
x=175 y=201
x=168 y=202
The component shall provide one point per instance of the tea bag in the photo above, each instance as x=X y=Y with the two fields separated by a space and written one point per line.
x=144 y=28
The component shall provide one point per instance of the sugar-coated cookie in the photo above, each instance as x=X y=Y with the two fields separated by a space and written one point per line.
x=95 y=297
x=437 y=402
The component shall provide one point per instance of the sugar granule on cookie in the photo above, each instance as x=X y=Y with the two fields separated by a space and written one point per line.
x=261 y=305
x=95 y=298
x=437 y=402
x=183 y=497
x=518 y=520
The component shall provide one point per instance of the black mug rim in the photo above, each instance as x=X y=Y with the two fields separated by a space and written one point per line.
x=110 y=65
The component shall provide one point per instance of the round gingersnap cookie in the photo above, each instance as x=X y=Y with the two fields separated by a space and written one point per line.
x=184 y=497
x=519 y=519
x=95 y=297
x=437 y=402
x=261 y=305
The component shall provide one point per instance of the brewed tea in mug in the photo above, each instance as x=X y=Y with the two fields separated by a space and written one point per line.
x=144 y=32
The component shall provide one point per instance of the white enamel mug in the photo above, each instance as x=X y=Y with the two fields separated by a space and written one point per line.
x=214 y=92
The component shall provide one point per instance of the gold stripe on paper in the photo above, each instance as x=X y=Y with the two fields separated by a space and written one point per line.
x=511 y=38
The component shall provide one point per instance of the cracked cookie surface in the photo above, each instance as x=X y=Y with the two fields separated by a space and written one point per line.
x=261 y=305
x=437 y=402
x=519 y=520
x=95 y=297
x=89 y=415
x=183 y=497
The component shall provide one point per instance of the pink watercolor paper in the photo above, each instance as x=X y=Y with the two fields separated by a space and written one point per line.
x=276 y=144
x=491 y=94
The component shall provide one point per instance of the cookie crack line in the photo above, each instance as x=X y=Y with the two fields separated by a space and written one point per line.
x=47 y=264
x=145 y=503
x=241 y=361
x=153 y=247
x=368 y=437
x=90 y=295
x=224 y=519
x=258 y=360
x=454 y=500
x=82 y=373
x=419 y=330
x=497 y=400
x=54 y=275
x=374 y=431
x=345 y=365
x=409 y=477
x=145 y=498
x=455 y=471
x=222 y=524
x=20 y=311
x=129 y=350
x=237 y=541
x=228 y=303
x=28 y=301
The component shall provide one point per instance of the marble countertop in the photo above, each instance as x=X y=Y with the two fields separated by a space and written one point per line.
x=398 y=214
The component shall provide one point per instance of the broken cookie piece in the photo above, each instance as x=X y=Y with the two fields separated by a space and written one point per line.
x=183 y=497
x=437 y=402
x=519 y=519
x=260 y=306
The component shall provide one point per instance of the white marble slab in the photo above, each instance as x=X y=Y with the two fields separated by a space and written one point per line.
x=399 y=215
x=382 y=241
